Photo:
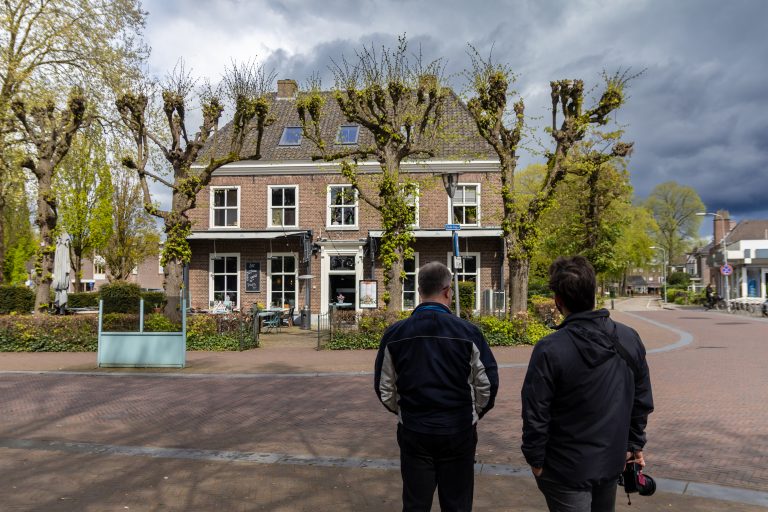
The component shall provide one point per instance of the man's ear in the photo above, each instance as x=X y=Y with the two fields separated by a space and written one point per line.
x=558 y=304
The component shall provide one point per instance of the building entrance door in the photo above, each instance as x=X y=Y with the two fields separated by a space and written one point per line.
x=342 y=269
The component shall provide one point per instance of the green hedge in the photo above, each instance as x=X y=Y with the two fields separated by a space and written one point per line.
x=521 y=330
x=16 y=299
x=79 y=333
x=83 y=300
x=120 y=297
x=49 y=333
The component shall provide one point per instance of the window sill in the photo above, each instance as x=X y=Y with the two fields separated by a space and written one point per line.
x=342 y=228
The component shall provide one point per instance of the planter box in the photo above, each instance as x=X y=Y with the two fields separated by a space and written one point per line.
x=143 y=349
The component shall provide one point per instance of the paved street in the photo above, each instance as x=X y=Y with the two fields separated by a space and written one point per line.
x=286 y=428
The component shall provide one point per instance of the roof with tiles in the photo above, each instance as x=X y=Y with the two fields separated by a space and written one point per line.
x=749 y=230
x=461 y=140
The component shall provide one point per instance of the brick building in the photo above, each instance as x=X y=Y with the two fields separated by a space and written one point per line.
x=271 y=230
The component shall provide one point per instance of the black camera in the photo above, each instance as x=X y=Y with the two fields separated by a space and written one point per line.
x=634 y=480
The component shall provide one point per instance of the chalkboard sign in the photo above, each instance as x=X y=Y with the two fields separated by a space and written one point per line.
x=252 y=276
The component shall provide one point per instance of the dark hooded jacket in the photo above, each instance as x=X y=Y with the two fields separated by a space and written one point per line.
x=584 y=406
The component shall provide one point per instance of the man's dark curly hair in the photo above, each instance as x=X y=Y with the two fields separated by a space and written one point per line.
x=573 y=280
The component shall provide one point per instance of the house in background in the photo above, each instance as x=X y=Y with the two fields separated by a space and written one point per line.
x=148 y=274
x=287 y=230
x=746 y=243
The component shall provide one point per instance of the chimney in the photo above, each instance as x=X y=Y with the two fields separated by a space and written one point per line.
x=287 y=89
x=722 y=225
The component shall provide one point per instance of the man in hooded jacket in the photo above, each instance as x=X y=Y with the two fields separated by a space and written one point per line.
x=584 y=406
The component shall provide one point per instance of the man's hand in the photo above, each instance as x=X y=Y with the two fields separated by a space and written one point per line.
x=636 y=457
x=536 y=471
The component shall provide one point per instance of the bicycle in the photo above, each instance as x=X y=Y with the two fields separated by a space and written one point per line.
x=718 y=303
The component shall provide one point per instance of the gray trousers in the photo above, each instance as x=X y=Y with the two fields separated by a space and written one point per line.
x=561 y=498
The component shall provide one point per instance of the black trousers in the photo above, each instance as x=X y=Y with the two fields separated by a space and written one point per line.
x=445 y=462
x=561 y=498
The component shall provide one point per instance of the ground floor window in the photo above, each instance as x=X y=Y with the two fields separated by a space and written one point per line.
x=469 y=271
x=225 y=280
x=410 y=282
x=342 y=278
x=282 y=280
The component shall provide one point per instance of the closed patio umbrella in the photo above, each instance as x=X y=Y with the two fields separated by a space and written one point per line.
x=61 y=266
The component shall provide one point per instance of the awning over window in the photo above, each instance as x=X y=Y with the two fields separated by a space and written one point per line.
x=441 y=233
x=241 y=235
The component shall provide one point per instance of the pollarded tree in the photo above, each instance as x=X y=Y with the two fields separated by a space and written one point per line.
x=48 y=133
x=134 y=236
x=83 y=189
x=52 y=44
x=246 y=87
x=401 y=102
x=674 y=208
x=490 y=83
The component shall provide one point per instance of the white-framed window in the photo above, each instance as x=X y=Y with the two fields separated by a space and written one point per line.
x=413 y=201
x=469 y=271
x=291 y=136
x=347 y=134
x=282 y=279
x=342 y=206
x=160 y=269
x=225 y=207
x=283 y=206
x=465 y=207
x=224 y=286
x=99 y=268
x=411 y=282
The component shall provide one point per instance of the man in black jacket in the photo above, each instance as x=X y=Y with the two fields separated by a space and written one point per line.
x=585 y=406
x=436 y=372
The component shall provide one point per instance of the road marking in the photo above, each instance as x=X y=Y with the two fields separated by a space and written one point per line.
x=718 y=492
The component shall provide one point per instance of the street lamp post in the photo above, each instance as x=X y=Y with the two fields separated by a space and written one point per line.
x=449 y=182
x=663 y=268
x=724 y=245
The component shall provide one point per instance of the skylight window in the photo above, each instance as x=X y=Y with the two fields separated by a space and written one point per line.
x=291 y=136
x=347 y=135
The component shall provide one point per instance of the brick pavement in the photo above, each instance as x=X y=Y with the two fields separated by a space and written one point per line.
x=710 y=412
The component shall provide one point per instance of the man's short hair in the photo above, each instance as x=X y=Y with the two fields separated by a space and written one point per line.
x=573 y=280
x=433 y=277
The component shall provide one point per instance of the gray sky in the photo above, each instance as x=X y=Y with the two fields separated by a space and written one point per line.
x=695 y=115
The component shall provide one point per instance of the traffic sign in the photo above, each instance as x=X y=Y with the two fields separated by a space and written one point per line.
x=726 y=270
x=452 y=227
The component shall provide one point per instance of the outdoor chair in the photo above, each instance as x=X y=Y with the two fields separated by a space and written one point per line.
x=288 y=318
x=272 y=323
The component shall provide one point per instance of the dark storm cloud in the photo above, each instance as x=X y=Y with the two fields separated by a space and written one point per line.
x=696 y=114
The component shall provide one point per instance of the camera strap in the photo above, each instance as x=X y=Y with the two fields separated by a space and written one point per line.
x=624 y=354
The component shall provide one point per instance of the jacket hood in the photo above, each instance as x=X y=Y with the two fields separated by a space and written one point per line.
x=591 y=333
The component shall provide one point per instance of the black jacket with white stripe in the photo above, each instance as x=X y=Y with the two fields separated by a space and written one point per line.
x=435 y=371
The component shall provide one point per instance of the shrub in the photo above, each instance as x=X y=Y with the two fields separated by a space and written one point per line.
x=121 y=297
x=354 y=340
x=83 y=300
x=220 y=332
x=544 y=309
x=153 y=300
x=521 y=330
x=157 y=322
x=120 y=322
x=48 y=333
x=538 y=286
x=466 y=298
x=679 y=279
x=16 y=299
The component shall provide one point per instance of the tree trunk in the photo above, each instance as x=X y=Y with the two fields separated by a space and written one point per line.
x=396 y=284
x=2 y=240
x=46 y=223
x=174 y=281
x=518 y=285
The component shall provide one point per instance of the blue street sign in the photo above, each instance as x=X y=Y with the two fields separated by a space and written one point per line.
x=452 y=227
x=455 y=243
x=726 y=270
